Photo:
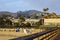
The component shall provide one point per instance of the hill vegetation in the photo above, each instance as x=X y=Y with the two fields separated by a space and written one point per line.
x=6 y=18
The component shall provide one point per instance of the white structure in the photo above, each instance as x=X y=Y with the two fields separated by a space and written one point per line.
x=15 y=20
x=31 y=21
x=51 y=21
x=27 y=31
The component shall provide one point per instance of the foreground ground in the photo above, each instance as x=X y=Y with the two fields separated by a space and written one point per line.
x=9 y=34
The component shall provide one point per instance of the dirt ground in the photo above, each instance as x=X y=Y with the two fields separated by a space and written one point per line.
x=8 y=34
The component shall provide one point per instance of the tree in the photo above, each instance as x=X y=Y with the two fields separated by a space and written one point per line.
x=22 y=18
x=45 y=9
x=46 y=13
x=8 y=23
x=31 y=16
x=6 y=15
x=1 y=22
x=4 y=22
x=28 y=24
x=23 y=25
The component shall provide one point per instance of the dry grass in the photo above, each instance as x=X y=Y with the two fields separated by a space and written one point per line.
x=6 y=34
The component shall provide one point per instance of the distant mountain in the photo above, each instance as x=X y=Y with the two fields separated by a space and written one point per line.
x=26 y=13
x=6 y=12
x=30 y=13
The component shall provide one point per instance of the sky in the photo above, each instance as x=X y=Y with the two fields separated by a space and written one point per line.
x=24 y=5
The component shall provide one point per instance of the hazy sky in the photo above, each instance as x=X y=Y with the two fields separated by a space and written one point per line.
x=22 y=5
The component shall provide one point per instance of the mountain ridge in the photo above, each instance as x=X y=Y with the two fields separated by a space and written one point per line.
x=26 y=13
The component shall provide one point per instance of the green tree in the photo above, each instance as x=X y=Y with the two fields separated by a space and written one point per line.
x=8 y=23
x=4 y=22
x=6 y=15
x=45 y=9
x=22 y=18
x=28 y=24
x=1 y=22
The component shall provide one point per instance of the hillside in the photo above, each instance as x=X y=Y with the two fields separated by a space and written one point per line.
x=26 y=13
